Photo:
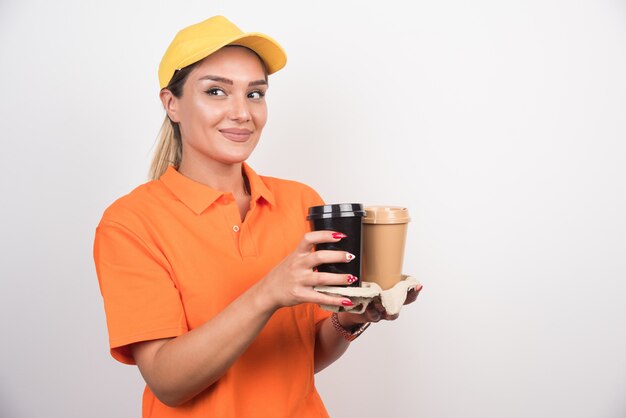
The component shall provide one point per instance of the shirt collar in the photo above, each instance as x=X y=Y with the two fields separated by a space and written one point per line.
x=258 y=188
x=198 y=197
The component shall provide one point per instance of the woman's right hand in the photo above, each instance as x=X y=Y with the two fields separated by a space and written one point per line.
x=292 y=281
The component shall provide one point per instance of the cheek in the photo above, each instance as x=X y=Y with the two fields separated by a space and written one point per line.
x=260 y=117
x=199 y=114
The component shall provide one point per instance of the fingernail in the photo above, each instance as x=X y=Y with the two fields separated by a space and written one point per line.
x=338 y=235
x=349 y=256
x=352 y=279
x=347 y=302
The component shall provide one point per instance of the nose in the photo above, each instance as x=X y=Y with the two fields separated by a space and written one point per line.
x=239 y=111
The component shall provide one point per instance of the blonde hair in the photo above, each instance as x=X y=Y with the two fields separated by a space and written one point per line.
x=169 y=147
x=169 y=150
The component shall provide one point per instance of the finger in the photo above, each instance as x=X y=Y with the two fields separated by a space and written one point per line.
x=372 y=314
x=328 y=256
x=389 y=317
x=332 y=279
x=313 y=296
x=411 y=297
x=379 y=311
x=412 y=294
x=317 y=237
x=378 y=305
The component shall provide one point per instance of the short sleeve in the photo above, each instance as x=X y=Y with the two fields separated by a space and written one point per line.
x=141 y=300
x=319 y=314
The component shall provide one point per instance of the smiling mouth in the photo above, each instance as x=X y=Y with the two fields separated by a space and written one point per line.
x=236 y=135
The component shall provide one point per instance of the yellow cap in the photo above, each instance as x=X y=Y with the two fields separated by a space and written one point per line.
x=198 y=41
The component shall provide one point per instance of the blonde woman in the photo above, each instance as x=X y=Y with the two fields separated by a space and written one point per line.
x=207 y=271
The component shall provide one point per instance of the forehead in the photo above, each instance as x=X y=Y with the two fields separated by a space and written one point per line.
x=233 y=62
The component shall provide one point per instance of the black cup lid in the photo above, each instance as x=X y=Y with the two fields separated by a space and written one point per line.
x=339 y=210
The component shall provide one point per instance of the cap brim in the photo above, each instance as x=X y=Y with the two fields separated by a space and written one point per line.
x=270 y=51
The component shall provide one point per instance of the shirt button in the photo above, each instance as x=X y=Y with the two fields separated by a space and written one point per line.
x=235 y=228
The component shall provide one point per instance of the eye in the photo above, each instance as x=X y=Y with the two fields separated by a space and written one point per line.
x=215 y=92
x=256 y=95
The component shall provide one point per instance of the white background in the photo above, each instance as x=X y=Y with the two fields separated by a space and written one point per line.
x=499 y=124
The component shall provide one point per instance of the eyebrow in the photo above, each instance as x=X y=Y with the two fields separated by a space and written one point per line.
x=230 y=82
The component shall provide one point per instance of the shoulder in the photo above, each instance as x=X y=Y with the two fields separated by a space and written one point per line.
x=284 y=189
x=136 y=205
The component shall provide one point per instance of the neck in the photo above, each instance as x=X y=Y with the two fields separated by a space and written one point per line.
x=218 y=176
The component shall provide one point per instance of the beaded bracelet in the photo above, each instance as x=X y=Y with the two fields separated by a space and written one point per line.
x=349 y=336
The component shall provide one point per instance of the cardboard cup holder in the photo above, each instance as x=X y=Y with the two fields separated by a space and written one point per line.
x=392 y=299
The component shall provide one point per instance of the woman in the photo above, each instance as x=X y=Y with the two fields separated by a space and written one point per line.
x=207 y=272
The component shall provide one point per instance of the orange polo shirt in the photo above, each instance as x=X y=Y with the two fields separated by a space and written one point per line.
x=173 y=253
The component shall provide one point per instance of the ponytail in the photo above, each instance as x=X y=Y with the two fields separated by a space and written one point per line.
x=169 y=149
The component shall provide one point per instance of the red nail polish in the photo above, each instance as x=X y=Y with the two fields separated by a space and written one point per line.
x=352 y=279
x=338 y=235
x=347 y=303
x=349 y=257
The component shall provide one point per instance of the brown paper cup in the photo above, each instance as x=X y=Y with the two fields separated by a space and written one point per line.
x=384 y=237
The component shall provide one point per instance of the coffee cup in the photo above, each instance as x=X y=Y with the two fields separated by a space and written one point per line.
x=384 y=237
x=344 y=218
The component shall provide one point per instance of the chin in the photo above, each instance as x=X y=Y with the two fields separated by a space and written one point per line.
x=234 y=158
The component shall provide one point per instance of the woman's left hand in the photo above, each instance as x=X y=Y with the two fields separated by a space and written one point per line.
x=330 y=345
x=375 y=311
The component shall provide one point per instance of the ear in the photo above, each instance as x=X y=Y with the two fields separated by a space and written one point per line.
x=170 y=103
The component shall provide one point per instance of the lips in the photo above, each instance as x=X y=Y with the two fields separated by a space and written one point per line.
x=236 y=134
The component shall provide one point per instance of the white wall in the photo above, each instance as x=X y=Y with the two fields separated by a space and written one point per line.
x=499 y=124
